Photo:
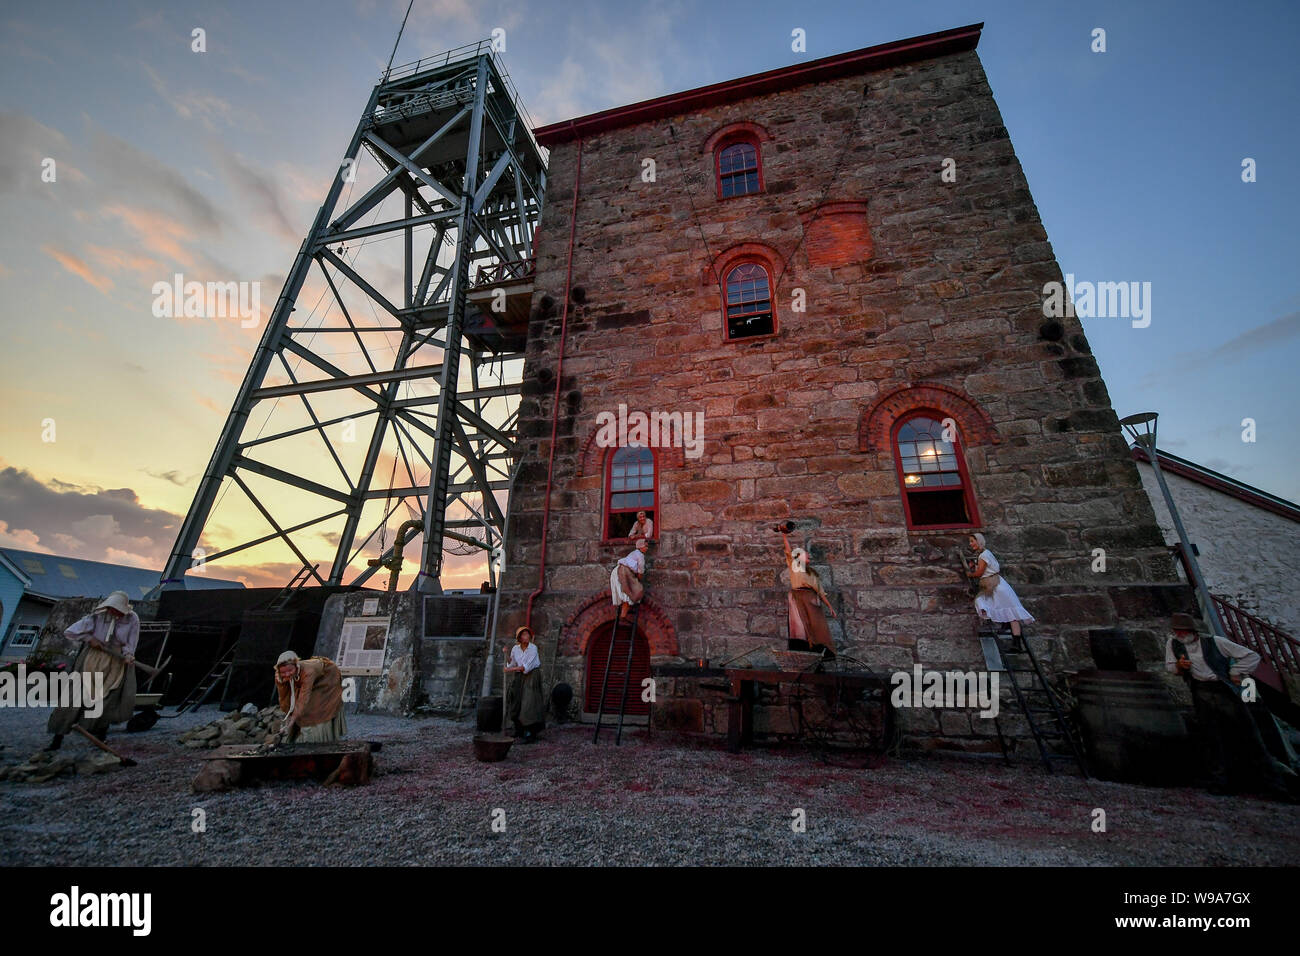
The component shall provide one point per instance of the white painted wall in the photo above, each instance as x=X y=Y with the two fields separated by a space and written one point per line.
x=1249 y=556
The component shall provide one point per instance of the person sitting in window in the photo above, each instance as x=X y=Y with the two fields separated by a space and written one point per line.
x=643 y=527
x=808 y=628
x=996 y=601
x=625 y=586
x=527 y=706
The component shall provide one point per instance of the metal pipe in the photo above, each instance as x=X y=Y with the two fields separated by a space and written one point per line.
x=559 y=379
x=394 y=562
x=488 y=667
x=1208 y=609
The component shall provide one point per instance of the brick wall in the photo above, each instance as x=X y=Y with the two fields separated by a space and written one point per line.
x=919 y=294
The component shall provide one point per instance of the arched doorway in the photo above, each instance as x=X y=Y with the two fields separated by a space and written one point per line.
x=598 y=649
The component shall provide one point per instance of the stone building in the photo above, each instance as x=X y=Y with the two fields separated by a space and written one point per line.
x=837 y=269
x=1248 y=541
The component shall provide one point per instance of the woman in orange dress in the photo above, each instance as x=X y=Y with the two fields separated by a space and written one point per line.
x=808 y=628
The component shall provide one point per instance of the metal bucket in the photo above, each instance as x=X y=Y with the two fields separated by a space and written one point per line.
x=489 y=714
x=1132 y=731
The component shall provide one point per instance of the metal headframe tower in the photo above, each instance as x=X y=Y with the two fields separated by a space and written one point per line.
x=432 y=302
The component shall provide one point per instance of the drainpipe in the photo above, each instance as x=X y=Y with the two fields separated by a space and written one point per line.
x=559 y=378
x=489 y=669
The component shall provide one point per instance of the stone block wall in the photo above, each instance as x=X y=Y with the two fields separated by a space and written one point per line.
x=919 y=294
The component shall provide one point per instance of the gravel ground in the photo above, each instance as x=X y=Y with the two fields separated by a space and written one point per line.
x=648 y=802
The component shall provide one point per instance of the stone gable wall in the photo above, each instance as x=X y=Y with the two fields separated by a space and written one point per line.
x=930 y=297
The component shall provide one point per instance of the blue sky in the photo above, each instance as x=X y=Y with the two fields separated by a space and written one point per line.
x=170 y=160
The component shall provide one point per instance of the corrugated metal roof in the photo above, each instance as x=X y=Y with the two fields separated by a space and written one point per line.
x=57 y=577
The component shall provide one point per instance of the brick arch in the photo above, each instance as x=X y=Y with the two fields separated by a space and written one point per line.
x=837 y=233
x=592 y=460
x=751 y=251
x=598 y=610
x=727 y=131
x=878 y=421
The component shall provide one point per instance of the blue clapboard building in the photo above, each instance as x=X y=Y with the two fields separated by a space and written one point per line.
x=31 y=583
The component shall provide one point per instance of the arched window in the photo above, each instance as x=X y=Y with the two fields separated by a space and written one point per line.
x=631 y=486
x=739 y=172
x=749 y=301
x=932 y=473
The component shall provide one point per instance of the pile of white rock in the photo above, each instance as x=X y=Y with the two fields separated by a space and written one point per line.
x=245 y=726
x=45 y=765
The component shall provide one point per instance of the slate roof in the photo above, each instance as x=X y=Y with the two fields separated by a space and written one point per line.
x=54 y=577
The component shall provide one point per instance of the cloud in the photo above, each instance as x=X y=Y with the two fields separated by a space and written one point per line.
x=141 y=180
x=24 y=146
x=175 y=477
x=83 y=522
x=260 y=191
x=1262 y=337
x=21 y=539
x=1257 y=339
x=207 y=108
x=206 y=402
x=78 y=268
x=142 y=267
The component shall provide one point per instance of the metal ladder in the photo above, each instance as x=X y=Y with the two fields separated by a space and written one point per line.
x=627 y=673
x=220 y=671
x=300 y=578
x=1035 y=698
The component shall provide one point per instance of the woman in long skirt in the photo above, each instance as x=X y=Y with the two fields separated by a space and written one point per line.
x=808 y=628
x=524 y=675
x=996 y=600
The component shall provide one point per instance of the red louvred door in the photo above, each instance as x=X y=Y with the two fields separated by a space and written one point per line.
x=598 y=651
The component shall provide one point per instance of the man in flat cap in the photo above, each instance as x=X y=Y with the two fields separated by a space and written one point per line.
x=1214 y=669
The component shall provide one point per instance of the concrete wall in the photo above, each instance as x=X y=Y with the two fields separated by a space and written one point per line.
x=419 y=673
x=1249 y=556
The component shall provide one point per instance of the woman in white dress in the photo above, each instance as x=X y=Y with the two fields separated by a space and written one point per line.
x=996 y=600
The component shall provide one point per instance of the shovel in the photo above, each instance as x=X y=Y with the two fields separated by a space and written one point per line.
x=126 y=761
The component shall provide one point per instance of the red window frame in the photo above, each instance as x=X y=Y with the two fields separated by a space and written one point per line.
x=739 y=139
x=652 y=511
x=967 y=487
x=731 y=267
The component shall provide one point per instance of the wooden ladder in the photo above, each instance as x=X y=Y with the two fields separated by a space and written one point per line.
x=627 y=673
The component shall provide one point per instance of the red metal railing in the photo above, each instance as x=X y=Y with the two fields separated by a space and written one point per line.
x=1271 y=643
x=1276 y=646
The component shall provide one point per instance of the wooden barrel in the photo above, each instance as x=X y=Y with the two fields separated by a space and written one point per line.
x=489 y=714
x=1132 y=731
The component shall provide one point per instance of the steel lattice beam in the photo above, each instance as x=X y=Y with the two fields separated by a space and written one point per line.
x=453 y=148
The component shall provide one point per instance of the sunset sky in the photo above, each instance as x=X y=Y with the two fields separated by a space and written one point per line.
x=213 y=164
